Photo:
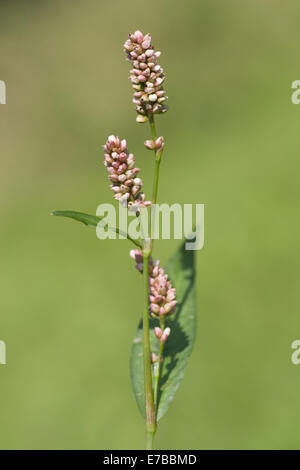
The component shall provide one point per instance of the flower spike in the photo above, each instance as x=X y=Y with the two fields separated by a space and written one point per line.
x=162 y=294
x=123 y=174
x=146 y=76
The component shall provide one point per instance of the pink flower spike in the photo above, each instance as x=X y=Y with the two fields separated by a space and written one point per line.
x=120 y=165
x=161 y=292
x=146 y=75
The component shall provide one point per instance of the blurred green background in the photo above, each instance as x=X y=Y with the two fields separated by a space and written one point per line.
x=70 y=302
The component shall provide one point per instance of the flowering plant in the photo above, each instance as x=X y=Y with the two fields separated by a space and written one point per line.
x=165 y=336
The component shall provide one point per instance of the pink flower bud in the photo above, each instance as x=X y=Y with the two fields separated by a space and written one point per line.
x=111 y=139
x=162 y=311
x=123 y=145
x=153 y=98
x=171 y=295
x=160 y=143
x=165 y=335
x=122 y=178
x=170 y=305
x=154 y=308
x=149 y=144
x=139 y=37
x=158 y=332
x=146 y=44
x=141 y=118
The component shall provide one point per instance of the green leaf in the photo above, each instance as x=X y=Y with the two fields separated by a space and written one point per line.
x=92 y=221
x=178 y=347
x=86 y=219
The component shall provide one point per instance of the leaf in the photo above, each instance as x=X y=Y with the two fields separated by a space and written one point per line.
x=86 y=219
x=92 y=221
x=178 y=347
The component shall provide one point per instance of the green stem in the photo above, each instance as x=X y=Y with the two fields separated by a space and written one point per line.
x=156 y=176
x=157 y=160
x=158 y=366
x=152 y=125
x=149 y=440
x=158 y=156
x=147 y=250
x=150 y=410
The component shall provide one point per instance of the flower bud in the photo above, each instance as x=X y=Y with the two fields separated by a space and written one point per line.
x=158 y=332
x=149 y=144
x=155 y=308
x=170 y=305
x=165 y=335
x=160 y=143
x=138 y=35
x=153 y=98
x=141 y=118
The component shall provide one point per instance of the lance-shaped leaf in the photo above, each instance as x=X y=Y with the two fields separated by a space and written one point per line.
x=178 y=347
x=86 y=219
x=92 y=221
